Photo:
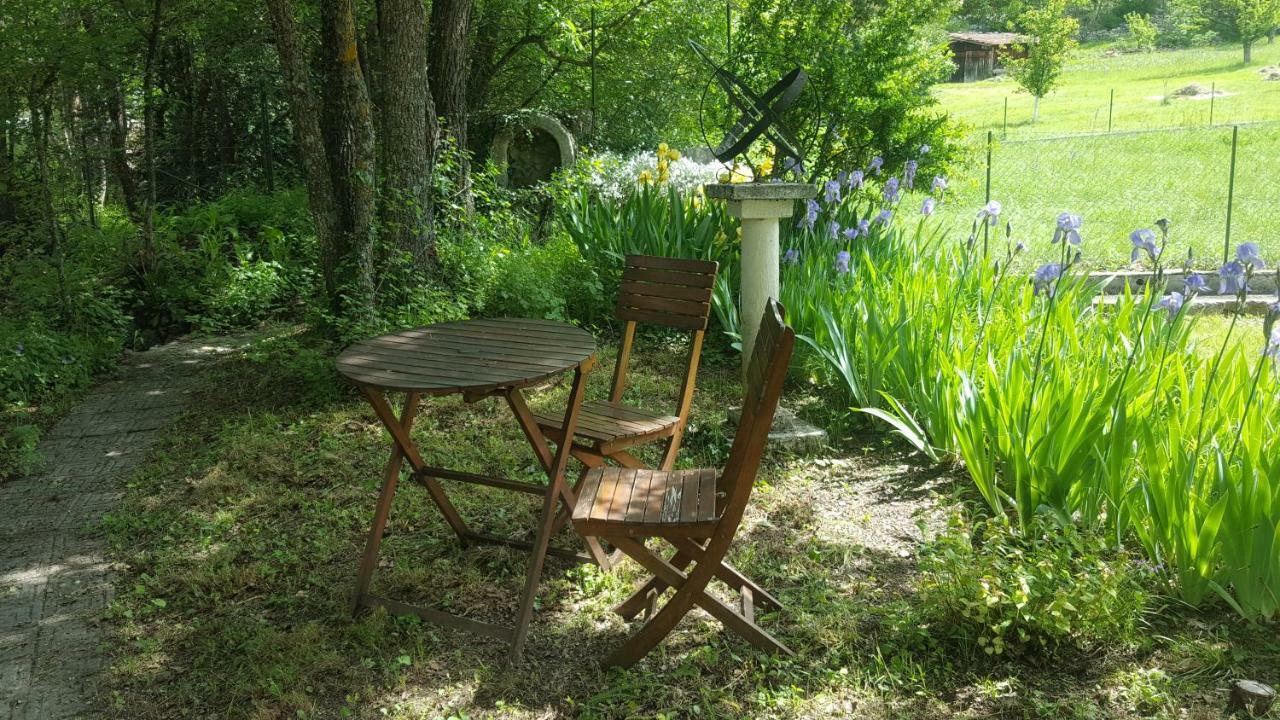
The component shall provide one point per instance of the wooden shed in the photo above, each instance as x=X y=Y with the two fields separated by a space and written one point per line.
x=977 y=54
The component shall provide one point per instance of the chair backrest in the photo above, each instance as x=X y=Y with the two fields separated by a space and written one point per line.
x=670 y=292
x=766 y=373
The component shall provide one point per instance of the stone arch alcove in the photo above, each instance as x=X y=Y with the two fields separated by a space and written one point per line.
x=530 y=151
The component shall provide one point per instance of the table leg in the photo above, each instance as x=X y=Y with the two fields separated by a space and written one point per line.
x=547 y=517
x=391 y=479
x=400 y=434
x=530 y=427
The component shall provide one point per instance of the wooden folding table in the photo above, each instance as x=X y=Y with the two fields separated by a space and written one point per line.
x=477 y=359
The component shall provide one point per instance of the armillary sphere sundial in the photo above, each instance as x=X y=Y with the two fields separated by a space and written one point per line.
x=761 y=206
x=761 y=114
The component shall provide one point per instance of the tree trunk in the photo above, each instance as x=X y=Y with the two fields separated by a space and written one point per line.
x=305 y=112
x=449 y=48
x=349 y=139
x=408 y=151
x=40 y=114
x=1248 y=51
x=1035 y=109
x=149 y=130
x=119 y=157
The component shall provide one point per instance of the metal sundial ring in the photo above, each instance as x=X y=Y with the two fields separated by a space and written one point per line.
x=760 y=113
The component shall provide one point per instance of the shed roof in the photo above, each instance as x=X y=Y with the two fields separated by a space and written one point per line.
x=993 y=39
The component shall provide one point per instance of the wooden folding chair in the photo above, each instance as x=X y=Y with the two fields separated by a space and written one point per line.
x=695 y=511
x=661 y=291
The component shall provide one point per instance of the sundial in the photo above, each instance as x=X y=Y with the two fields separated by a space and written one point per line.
x=761 y=114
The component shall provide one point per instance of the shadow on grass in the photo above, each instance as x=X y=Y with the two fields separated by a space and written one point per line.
x=239 y=541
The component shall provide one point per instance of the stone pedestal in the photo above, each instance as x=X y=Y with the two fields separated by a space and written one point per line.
x=760 y=207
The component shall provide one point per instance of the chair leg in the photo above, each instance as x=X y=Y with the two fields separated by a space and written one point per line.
x=730 y=575
x=673 y=450
x=691 y=590
x=634 y=605
x=687 y=551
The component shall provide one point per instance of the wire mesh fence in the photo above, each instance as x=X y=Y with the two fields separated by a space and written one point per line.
x=1121 y=181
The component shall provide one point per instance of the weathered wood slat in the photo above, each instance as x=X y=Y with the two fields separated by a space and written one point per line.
x=692 y=294
x=702 y=267
x=668 y=277
x=691 y=495
x=664 y=304
x=650 y=317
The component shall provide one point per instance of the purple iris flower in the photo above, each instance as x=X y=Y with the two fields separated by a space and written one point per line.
x=877 y=162
x=791 y=257
x=1068 y=228
x=831 y=192
x=909 y=174
x=990 y=212
x=810 y=215
x=1194 y=283
x=852 y=233
x=833 y=229
x=864 y=226
x=891 y=190
x=1044 y=278
x=939 y=184
x=924 y=149
x=884 y=217
x=1273 y=344
x=1144 y=240
x=1248 y=254
x=928 y=207
x=1172 y=302
x=855 y=179
x=842 y=261
x=842 y=177
x=1231 y=279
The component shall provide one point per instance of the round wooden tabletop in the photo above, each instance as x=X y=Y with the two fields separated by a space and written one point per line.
x=467 y=356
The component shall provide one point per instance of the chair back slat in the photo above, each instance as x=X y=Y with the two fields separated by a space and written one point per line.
x=671 y=292
x=766 y=373
x=668 y=292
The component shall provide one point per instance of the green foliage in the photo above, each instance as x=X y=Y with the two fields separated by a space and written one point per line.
x=1243 y=21
x=986 y=586
x=870 y=66
x=1142 y=32
x=548 y=281
x=40 y=364
x=1109 y=420
x=1053 y=36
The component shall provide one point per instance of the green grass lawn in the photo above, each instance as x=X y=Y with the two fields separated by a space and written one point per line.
x=1140 y=172
x=237 y=545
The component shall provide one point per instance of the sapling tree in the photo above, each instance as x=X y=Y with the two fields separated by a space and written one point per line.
x=1052 y=38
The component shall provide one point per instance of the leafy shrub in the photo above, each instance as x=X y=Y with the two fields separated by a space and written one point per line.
x=38 y=364
x=549 y=281
x=1142 y=32
x=242 y=293
x=988 y=586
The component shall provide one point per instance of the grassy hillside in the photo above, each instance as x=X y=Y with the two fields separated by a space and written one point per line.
x=1161 y=160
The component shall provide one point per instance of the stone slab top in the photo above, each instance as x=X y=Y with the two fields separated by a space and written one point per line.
x=760 y=191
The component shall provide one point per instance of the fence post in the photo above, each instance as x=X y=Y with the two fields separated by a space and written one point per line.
x=1004 y=133
x=985 y=225
x=990 y=138
x=1213 y=96
x=1231 y=192
x=1111 y=106
x=593 y=72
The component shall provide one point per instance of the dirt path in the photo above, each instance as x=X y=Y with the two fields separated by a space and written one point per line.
x=55 y=581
